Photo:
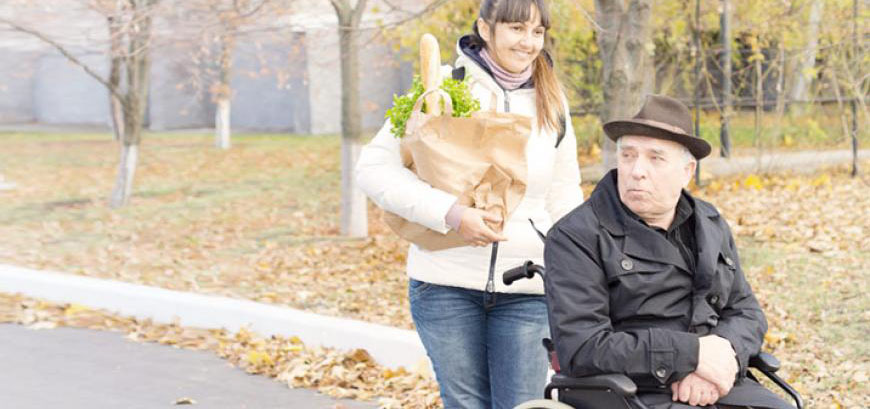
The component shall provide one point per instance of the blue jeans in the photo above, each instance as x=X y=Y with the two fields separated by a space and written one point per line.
x=485 y=355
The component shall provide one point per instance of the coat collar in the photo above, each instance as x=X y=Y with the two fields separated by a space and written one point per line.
x=642 y=241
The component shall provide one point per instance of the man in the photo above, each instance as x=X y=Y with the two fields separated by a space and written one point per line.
x=644 y=280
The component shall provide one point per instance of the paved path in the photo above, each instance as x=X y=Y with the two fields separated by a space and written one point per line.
x=69 y=368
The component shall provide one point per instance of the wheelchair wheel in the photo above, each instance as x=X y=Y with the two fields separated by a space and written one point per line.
x=542 y=404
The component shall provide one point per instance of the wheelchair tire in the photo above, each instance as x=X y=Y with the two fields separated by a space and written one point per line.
x=542 y=404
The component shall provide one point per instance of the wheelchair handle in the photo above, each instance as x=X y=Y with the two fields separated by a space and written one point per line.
x=527 y=270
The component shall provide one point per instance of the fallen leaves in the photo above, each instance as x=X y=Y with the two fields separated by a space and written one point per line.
x=342 y=374
x=260 y=222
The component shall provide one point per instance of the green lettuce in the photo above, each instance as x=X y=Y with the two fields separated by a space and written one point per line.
x=463 y=103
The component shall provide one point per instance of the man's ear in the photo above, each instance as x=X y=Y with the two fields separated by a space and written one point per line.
x=483 y=29
x=690 y=172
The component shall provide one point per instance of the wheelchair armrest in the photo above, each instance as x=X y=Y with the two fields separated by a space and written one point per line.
x=767 y=364
x=616 y=383
x=764 y=362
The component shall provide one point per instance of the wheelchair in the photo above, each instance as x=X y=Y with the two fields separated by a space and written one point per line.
x=614 y=391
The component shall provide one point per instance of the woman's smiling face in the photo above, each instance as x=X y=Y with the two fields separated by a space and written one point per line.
x=514 y=46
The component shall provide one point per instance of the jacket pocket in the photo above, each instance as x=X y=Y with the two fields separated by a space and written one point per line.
x=652 y=289
x=723 y=280
x=631 y=267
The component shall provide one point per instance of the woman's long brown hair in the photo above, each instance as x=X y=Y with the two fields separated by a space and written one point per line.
x=548 y=90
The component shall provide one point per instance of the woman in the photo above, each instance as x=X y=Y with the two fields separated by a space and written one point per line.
x=483 y=337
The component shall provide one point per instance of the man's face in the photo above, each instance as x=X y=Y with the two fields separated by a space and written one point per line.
x=651 y=174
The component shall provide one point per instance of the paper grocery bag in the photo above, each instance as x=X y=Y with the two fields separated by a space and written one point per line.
x=480 y=159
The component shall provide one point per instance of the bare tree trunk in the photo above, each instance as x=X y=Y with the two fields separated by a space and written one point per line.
x=222 y=124
x=759 y=105
x=124 y=180
x=727 y=109
x=116 y=53
x=780 y=92
x=138 y=64
x=807 y=60
x=224 y=94
x=129 y=156
x=354 y=219
x=130 y=20
x=625 y=53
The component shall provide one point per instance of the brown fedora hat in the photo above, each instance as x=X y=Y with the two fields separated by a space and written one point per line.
x=664 y=118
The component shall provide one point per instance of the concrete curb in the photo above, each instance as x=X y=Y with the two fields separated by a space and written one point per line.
x=389 y=346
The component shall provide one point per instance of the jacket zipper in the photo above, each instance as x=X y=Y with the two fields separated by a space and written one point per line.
x=490 y=282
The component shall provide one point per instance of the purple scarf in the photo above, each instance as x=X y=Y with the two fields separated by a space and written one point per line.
x=506 y=79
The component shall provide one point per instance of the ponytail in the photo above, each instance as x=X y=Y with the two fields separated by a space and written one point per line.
x=549 y=98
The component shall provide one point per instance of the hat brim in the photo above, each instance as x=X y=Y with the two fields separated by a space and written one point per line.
x=698 y=147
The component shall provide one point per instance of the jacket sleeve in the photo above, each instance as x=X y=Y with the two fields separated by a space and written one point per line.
x=579 y=311
x=741 y=320
x=565 y=193
x=393 y=187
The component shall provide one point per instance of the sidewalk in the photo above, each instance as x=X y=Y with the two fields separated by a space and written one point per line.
x=72 y=368
x=390 y=347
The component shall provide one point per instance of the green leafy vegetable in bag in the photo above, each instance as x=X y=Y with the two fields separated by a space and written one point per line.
x=463 y=103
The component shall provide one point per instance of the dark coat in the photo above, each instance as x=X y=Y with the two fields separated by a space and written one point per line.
x=622 y=299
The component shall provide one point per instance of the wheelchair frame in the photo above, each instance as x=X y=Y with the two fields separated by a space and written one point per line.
x=618 y=384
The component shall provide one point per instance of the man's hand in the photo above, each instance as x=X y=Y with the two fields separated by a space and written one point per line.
x=695 y=391
x=473 y=228
x=717 y=362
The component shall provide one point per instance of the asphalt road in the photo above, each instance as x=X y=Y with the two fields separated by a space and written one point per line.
x=68 y=368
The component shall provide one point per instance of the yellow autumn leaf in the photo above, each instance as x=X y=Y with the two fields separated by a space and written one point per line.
x=753 y=181
x=389 y=373
x=821 y=180
x=73 y=309
x=258 y=358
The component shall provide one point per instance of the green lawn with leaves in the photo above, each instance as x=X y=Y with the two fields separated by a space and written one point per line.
x=260 y=222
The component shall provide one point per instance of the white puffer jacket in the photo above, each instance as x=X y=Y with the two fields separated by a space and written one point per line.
x=553 y=190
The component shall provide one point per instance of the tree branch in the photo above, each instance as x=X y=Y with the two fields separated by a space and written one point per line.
x=60 y=48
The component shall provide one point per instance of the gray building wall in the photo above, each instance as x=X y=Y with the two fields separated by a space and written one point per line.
x=323 y=74
x=64 y=94
x=175 y=100
x=382 y=74
x=269 y=88
x=16 y=85
x=380 y=80
x=287 y=83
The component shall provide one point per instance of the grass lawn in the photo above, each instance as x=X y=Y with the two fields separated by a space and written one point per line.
x=260 y=222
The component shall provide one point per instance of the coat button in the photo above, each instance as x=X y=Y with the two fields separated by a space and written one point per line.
x=661 y=372
x=627 y=264
x=729 y=261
